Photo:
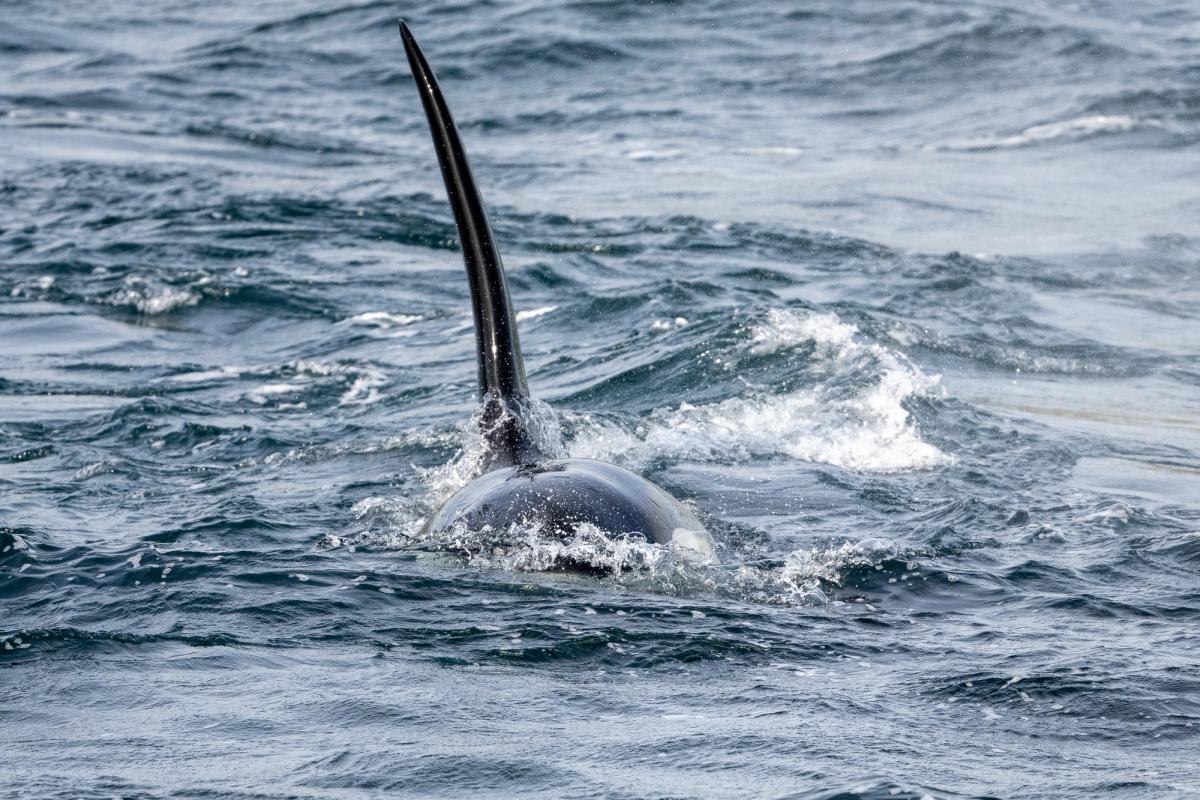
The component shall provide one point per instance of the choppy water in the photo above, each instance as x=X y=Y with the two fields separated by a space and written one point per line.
x=903 y=298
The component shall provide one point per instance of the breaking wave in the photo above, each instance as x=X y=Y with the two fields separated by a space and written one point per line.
x=1065 y=130
x=868 y=429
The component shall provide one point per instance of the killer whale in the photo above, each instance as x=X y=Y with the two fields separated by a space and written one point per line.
x=521 y=482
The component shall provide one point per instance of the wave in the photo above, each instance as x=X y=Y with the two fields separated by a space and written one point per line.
x=306 y=19
x=1065 y=130
x=534 y=313
x=811 y=576
x=854 y=418
x=1180 y=104
x=867 y=429
x=984 y=49
x=521 y=53
x=882 y=788
x=149 y=298
x=297 y=384
x=864 y=427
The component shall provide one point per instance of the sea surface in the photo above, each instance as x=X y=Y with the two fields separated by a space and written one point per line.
x=902 y=298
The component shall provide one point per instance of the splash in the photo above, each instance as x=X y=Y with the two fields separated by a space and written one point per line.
x=151 y=298
x=540 y=420
x=844 y=420
x=868 y=430
x=829 y=564
x=808 y=576
x=525 y=547
x=786 y=328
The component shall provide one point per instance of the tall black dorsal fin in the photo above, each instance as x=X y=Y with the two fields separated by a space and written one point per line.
x=502 y=383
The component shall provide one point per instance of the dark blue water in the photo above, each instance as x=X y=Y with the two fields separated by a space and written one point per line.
x=903 y=298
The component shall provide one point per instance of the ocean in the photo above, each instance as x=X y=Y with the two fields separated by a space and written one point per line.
x=901 y=298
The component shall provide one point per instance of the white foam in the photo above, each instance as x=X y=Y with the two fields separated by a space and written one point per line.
x=666 y=325
x=527 y=548
x=383 y=319
x=1077 y=128
x=653 y=154
x=869 y=431
x=771 y=151
x=266 y=393
x=208 y=375
x=858 y=423
x=94 y=469
x=1114 y=513
x=829 y=564
x=363 y=389
x=535 y=313
x=787 y=328
x=152 y=298
x=384 y=324
x=801 y=581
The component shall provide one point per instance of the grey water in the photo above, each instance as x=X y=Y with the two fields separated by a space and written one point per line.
x=902 y=298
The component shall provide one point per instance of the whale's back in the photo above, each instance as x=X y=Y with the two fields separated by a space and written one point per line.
x=559 y=495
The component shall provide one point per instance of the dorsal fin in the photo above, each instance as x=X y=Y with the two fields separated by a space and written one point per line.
x=502 y=385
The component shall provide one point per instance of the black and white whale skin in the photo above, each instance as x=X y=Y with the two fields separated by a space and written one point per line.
x=521 y=483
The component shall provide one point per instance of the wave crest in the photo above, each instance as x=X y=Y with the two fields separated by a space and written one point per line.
x=867 y=429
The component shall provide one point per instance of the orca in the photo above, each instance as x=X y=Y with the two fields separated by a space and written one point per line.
x=522 y=482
